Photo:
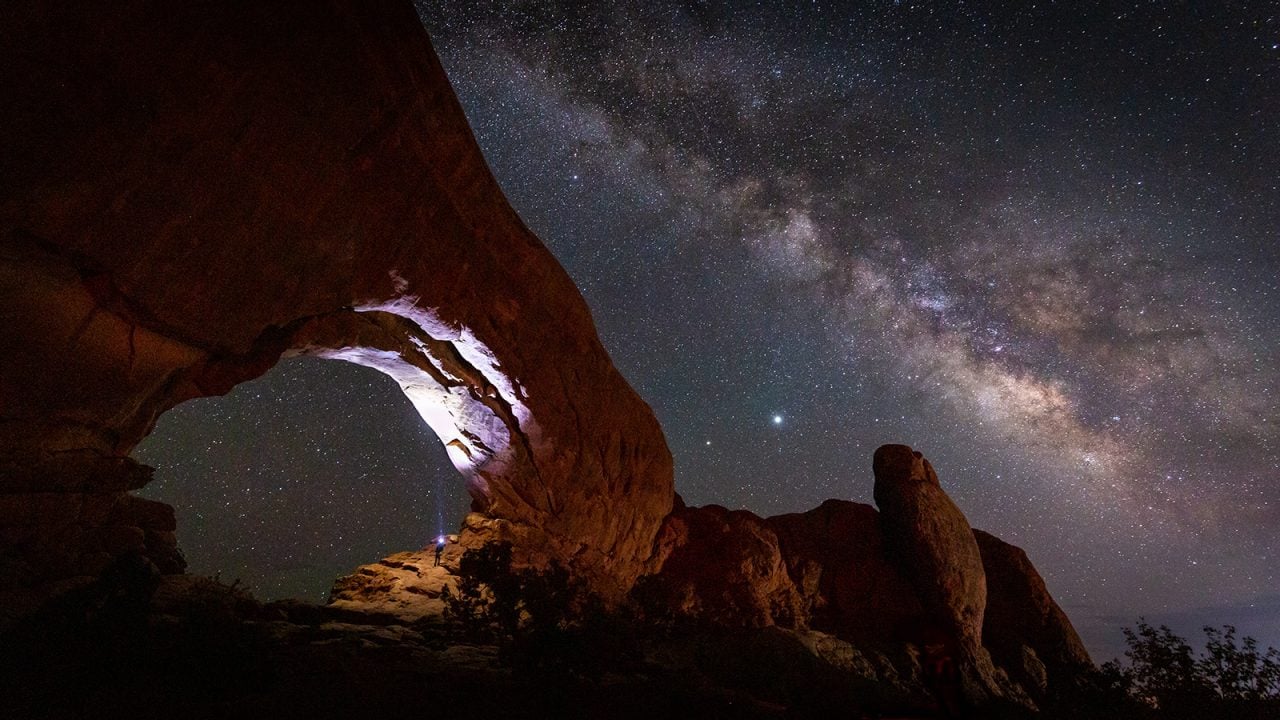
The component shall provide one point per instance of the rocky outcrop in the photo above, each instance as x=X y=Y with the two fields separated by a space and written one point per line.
x=407 y=585
x=930 y=541
x=71 y=537
x=909 y=575
x=1025 y=630
x=726 y=567
x=836 y=557
x=192 y=192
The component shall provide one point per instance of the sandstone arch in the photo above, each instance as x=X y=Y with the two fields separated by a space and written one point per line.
x=187 y=207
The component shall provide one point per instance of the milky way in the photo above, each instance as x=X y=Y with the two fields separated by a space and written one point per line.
x=1036 y=243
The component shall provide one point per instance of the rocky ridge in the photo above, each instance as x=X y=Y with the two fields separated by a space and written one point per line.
x=912 y=574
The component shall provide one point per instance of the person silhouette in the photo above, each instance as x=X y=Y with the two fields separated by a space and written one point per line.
x=440 y=543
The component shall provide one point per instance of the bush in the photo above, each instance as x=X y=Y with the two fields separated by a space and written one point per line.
x=543 y=620
x=1165 y=678
x=486 y=604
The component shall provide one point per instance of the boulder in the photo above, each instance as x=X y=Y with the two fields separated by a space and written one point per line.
x=836 y=556
x=930 y=541
x=726 y=567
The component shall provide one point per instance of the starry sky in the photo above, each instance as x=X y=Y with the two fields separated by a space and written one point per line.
x=1036 y=241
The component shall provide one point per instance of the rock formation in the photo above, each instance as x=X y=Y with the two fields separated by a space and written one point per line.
x=912 y=574
x=192 y=192
x=406 y=585
x=930 y=541
x=727 y=567
x=836 y=554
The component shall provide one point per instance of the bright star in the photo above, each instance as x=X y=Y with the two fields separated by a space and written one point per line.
x=777 y=419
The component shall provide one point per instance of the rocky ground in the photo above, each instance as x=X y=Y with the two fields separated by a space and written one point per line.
x=140 y=645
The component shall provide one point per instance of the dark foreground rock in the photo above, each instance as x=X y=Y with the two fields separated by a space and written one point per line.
x=139 y=645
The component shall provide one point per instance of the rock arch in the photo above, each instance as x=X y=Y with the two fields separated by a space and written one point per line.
x=186 y=208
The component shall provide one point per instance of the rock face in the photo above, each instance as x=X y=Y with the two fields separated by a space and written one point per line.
x=192 y=192
x=913 y=574
x=407 y=585
x=836 y=555
x=930 y=541
x=726 y=567
x=1025 y=630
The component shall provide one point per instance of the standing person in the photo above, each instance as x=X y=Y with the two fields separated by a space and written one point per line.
x=440 y=543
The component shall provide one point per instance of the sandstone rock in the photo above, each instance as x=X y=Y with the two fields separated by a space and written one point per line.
x=835 y=554
x=879 y=581
x=725 y=567
x=929 y=539
x=1023 y=618
x=406 y=585
x=144 y=513
x=120 y=539
x=181 y=209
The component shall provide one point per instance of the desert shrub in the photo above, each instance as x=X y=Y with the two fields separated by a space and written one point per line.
x=1240 y=673
x=543 y=620
x=1163 y=677
x=650 y=600
x=486 y=603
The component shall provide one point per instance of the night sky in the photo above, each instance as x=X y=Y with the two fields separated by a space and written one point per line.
x=1036 y=241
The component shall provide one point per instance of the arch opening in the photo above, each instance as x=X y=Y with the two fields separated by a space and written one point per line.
x=455 y=382
x=297 y=477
